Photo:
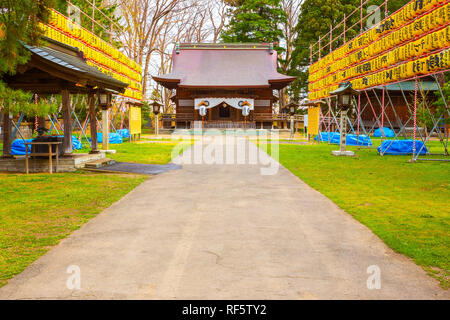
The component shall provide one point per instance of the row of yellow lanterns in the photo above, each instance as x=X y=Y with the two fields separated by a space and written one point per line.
x=417 y=28
x=96 y=59
x=131 y=93
x=94 y=46
x=430 y=64
x=90 y=52
x=61 y=22
x=438 y=15
x=427 y=43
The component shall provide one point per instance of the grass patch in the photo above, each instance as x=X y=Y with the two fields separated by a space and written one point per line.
x=38 y=210
x=153 y=153
x=405 y=204
x=138 y=152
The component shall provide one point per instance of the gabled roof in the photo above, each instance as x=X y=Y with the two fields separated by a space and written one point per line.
x=51 y=65
x=224 y=66
x=410 y=86
x=77 y=64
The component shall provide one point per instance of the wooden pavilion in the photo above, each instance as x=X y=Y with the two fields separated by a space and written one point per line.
x=61 y=69
x=223 y=85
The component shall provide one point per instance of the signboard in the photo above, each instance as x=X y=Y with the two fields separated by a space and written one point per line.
x=313 y=120
x=414 y=41
x=135 y=120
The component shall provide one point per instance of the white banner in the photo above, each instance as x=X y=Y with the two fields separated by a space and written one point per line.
x=238 y=103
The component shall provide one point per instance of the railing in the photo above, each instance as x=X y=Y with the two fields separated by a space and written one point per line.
x=177 y=117
x=278 y=117
x=218 y=124
x=188 y=120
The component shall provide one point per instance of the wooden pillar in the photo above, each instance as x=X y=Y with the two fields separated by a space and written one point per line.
x=105 y=124
x=93 y=122
x=6 y=135
x=105 y=128
x=67 y=120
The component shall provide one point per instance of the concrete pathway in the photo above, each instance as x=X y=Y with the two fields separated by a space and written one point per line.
x=223 y=232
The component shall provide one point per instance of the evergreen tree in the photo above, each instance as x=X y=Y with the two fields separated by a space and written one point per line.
x=19 y=23
x=254 y=21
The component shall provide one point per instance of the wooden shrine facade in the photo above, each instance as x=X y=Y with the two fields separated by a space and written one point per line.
x=223 y=85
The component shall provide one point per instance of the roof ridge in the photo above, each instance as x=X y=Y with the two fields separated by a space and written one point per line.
x=233 y=45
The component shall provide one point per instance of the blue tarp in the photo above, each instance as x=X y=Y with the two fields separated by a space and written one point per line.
x=362 y=140
x=401 y=147
x=125 y=133
x=76 y=144
x=323 y=136
x=114 y=138
x=351 y=139
x=388 y=133
x=18 y=147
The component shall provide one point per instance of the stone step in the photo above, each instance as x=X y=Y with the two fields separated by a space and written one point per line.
x=99 y=163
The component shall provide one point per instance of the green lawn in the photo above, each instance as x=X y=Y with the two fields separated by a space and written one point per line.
x=38 y=210
x=155 y=153
x=405 y=204
x=152 y=153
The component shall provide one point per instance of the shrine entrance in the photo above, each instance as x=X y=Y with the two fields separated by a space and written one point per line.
x=224 y=111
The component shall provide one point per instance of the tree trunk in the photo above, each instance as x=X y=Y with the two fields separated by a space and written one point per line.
x=6 y=135
x=281 y=102
x=67 y=120
x=41 y=122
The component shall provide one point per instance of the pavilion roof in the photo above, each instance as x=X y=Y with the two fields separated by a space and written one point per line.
x=224 y=66
x=50 y=65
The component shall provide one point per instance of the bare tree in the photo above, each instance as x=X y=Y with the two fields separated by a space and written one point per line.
x=201 y=21
x=150 y=27
x=217 y=11
x=143 y=21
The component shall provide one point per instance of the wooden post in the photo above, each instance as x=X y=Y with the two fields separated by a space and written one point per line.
x=6 y=135
x=67 y=120
x=57 y=158
x=93 y=122
x=105 y=128
x=50 y=164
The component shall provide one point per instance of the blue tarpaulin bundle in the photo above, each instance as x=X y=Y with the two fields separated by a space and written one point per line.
x=125 y=133
x=18 y=147
x=324 y=136
x=401 y=147
x=362 y=140
x=114 y=138
x=388 y=133
x=351 y=140
x=76 y=144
